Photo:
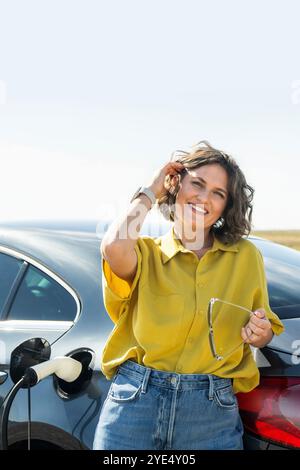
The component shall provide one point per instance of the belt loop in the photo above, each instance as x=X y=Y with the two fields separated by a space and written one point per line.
x=211 y=387
x=145 y=380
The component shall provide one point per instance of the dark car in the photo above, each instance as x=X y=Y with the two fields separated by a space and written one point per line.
x=50 y=287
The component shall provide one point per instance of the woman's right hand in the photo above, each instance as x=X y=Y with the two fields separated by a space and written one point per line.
x=158 y=184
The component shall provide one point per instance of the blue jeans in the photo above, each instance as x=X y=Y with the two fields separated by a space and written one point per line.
x=156 y=410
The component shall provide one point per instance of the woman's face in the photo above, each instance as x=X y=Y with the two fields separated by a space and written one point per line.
x=206 y=189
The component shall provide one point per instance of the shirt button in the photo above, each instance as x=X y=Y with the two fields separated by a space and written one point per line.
x=190 y=340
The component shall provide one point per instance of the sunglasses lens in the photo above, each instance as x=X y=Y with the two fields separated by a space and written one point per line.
x=227 y=322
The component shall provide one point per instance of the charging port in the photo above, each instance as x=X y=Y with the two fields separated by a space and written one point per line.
x=70 y=389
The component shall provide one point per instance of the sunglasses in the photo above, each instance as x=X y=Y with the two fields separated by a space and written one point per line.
x=223 y=339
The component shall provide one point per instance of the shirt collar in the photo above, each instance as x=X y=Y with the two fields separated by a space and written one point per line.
x=170 y=246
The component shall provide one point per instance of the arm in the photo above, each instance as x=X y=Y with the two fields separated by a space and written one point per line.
x=263 y=323
x=118 y=244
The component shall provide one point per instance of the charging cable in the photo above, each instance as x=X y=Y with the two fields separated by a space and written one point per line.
x=66 y=368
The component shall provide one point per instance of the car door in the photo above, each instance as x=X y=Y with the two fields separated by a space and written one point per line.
x=34 y=302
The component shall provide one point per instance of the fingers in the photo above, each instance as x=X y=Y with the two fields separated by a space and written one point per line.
x=248 y=336
x=172 y=171
x=251 y=328
x=259 y=321
x=244 y=335
x=161 y=181
x=257 y=328
x=173 y=168
x=260 y=313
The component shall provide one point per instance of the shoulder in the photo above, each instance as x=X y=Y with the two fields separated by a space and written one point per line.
x=148 y=244
x=250 y=255
x=246 y=246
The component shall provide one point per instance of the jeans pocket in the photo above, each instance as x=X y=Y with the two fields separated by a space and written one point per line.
x=225 y=398
x=124 y=388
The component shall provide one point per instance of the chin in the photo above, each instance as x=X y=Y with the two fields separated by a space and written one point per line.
x=196 y=228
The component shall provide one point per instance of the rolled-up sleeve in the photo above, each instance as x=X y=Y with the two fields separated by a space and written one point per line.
x=116 y=291
x=261 y=296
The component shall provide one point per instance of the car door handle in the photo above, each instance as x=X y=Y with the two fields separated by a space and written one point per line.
x=3 y=377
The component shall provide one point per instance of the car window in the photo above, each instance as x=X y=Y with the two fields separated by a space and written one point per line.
x=282 y=266
x=9 y=268
x=283 y=287
x=40 y=297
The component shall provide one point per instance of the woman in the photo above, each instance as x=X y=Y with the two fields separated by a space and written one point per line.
x=168 y=391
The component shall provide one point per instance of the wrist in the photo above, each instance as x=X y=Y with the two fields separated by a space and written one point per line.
x=142 y=198
x=157 y=193
x=146 y=192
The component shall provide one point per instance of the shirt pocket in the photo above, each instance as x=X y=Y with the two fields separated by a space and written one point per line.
x=159 y=319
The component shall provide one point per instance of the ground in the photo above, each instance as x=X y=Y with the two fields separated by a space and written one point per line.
x=289 y=238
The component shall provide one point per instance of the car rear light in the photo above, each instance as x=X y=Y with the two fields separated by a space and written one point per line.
x=272 y=410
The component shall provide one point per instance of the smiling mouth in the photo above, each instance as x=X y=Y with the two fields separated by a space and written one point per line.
x=198 y=208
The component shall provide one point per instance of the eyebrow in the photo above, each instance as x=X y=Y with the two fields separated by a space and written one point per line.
x=203 y=181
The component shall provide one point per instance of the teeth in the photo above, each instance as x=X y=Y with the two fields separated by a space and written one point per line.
x=198 y=209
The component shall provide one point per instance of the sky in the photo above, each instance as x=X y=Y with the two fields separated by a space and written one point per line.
x=96 y=95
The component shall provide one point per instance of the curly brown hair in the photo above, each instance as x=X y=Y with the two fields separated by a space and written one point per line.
x=238 y=210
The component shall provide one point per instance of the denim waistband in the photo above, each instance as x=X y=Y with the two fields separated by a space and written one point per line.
x=172 y=380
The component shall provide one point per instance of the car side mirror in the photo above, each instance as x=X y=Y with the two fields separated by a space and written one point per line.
x=29 y=353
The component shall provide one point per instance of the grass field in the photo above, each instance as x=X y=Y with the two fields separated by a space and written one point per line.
x=289 y=238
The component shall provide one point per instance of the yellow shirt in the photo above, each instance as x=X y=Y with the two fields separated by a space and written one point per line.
x=161 y=318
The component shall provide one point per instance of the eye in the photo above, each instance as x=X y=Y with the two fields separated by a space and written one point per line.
x=197 y=183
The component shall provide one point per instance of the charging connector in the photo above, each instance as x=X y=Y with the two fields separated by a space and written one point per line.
x=64 y=367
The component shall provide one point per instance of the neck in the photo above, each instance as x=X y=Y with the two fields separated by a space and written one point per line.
x=198 y=242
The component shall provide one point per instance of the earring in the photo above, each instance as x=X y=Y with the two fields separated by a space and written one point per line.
x=219 y=224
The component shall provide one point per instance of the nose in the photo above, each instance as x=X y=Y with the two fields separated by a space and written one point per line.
x=203 y=196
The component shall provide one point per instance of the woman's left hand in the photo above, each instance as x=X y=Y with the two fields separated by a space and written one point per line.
x=258 y=331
